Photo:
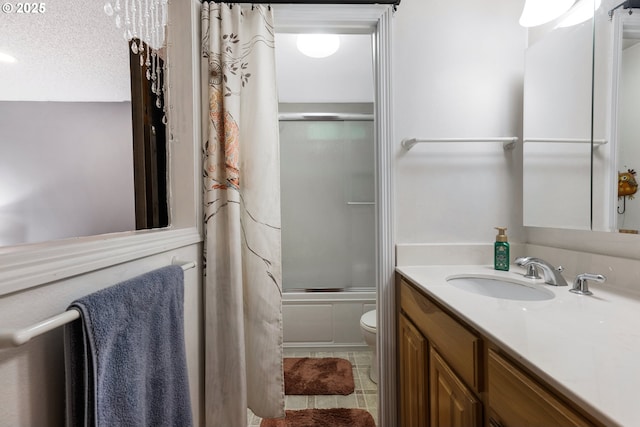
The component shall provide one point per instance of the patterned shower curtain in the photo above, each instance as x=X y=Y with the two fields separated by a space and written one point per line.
x=243 y=292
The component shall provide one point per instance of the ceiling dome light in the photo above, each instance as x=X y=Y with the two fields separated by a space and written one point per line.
x=318 y=45
x=7 y=58
x=538 y=12
x=580 y=12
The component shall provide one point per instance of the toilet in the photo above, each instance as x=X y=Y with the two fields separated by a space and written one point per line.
x=368 y=326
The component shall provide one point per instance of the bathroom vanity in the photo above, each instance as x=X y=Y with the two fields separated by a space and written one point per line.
x=475 y=360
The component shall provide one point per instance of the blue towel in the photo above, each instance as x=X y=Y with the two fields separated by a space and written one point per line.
x=125 y=359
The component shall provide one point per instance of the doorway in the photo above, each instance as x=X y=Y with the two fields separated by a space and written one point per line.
x=375 y=20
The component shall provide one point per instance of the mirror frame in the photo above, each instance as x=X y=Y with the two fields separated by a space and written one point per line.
x=620 y=20
x=30 y=265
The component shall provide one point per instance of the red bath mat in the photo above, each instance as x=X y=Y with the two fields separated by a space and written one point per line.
x=314 y=376
x=334 y=417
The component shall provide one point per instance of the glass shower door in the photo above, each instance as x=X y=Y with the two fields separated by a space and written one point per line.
x=328 y=219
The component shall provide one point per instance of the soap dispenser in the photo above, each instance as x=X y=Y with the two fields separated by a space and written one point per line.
x=501 y=250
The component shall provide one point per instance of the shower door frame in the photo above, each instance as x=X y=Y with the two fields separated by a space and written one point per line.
x=374 y=19
x=328 y=116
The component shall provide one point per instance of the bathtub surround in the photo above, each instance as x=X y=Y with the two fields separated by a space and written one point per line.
x=316 y=376
x=125 y=358
x=324 y=321
x=243 y=277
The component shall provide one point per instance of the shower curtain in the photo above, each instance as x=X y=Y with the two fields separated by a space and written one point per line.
x=243 y=286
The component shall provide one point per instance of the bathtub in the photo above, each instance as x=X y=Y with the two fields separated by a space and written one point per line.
x=322 y=320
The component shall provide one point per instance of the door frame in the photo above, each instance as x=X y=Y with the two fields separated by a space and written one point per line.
x=374 y=19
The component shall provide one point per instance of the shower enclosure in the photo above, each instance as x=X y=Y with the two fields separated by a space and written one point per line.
x=327 y=182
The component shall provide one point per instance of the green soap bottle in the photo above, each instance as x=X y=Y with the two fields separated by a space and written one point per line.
x=501 y=250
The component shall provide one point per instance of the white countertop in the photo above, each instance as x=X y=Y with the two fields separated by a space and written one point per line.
x=588 y=347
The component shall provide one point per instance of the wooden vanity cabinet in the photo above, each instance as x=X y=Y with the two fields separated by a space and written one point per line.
x=438 y=360
x=516 y=399
x=413 y=374
x=449 y=375
x=451 y=402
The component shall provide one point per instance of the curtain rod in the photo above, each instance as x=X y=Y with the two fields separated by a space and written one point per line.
x=627 y=4
x=393 y=2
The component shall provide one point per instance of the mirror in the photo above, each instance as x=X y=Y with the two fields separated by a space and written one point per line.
x=581 y=84
x=557 y=127
x=626 y=127
x=66 y=128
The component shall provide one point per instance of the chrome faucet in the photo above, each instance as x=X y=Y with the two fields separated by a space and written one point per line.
x=580 y=285
x=551 y=274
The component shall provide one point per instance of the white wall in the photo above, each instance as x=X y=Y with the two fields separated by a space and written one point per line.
x=32 y=376
x=39 y=281
x=66 y=170
x=346 y=76
x=458 y=72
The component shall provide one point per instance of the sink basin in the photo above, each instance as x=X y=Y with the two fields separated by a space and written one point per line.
x=498 y=287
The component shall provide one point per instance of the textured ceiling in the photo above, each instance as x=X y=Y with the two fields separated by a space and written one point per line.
x=71 y=52
x=74 y=52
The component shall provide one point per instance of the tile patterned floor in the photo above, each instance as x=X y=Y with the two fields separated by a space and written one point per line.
x=365 y=395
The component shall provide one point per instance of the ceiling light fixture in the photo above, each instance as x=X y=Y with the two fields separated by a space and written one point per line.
x=580 y=12
x=5 y=57
x=318 y=45
x=538 y=12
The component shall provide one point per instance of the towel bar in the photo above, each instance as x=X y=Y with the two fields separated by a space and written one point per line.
x=508 y=143
x=21 y=336
x=596 y=142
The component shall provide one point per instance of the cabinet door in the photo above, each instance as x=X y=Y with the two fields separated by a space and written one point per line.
x=516 y=400
x=413 y=375
x=459 y=346
x=452 y=403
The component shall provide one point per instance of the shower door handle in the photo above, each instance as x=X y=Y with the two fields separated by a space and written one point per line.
x=360 y=203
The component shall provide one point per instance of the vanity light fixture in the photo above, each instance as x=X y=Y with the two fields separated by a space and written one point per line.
x=318 y=45
x=538 y=12
x=5 y=57
x=582 y=11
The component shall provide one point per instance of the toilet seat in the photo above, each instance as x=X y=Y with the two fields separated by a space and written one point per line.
x=368 y=321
